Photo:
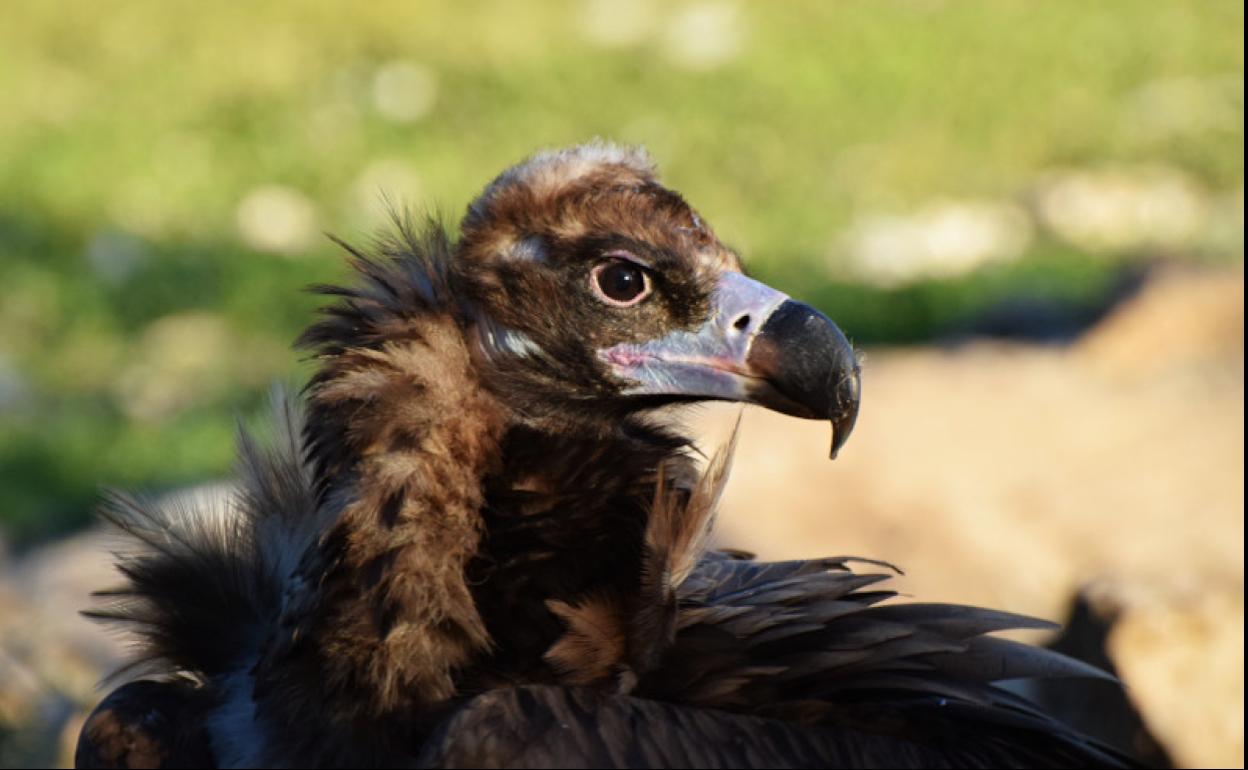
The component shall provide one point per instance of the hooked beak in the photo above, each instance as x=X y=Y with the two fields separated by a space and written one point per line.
x=758 y=346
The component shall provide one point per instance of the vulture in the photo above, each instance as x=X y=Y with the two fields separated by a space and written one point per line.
x=476 y=539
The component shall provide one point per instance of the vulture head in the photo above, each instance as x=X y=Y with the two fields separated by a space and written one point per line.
x=597 y=292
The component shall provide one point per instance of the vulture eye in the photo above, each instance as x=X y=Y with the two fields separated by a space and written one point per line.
x=620 y=283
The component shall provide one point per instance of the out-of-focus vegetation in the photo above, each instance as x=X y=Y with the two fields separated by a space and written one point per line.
x=167 y=170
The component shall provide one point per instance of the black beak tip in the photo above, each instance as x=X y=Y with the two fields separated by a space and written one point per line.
x=847 y=397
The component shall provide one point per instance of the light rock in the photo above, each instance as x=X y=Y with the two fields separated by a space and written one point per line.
x=277 y=220
x=1157 y=334
x=404 y=91
x=944 y=239
x=1175 y=644
x=704 y=35
x=1123 y=209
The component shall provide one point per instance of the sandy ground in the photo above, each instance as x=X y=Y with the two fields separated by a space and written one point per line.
x=1000 y=475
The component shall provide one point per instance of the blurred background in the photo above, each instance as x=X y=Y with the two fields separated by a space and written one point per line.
x=1029 y=216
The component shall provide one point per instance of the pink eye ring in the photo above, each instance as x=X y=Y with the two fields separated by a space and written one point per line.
x=620 y=283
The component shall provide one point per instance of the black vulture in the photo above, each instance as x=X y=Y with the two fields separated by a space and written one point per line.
x=476 y=540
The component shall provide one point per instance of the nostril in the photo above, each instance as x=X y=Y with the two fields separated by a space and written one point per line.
x=742 y=323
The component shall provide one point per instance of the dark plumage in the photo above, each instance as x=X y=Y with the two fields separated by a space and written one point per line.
x=476 y=543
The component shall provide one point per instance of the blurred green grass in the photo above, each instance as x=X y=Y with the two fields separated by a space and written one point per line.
x=131 y=132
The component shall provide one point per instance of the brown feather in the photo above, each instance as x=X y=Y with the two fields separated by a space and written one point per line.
x=593 y=648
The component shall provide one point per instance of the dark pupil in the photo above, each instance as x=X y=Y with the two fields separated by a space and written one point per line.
x=621 y=282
